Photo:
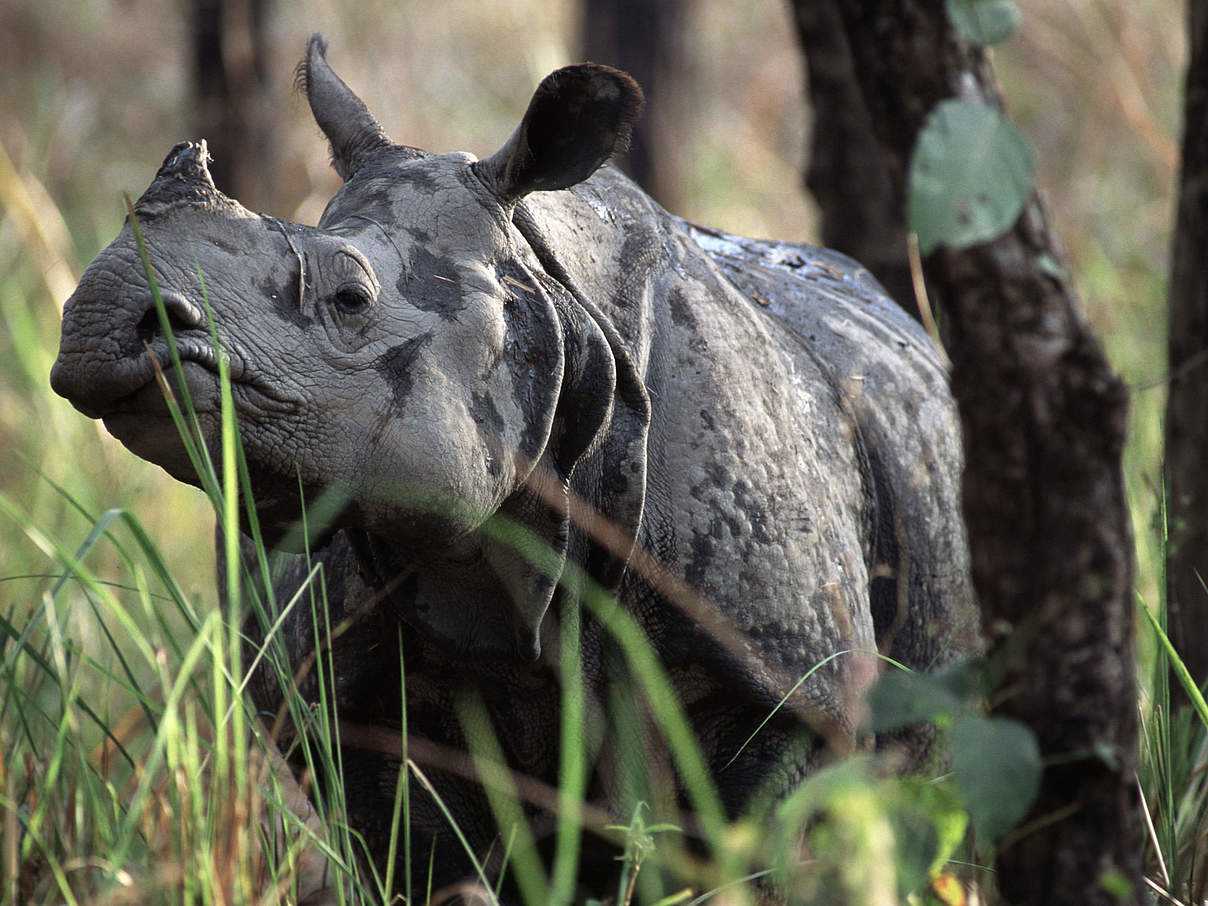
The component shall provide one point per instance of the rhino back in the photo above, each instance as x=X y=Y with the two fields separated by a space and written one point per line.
x=895 y=388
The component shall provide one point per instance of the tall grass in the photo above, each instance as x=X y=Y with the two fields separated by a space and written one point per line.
x=130 y=773
x=1173 y=766
x=157 y=783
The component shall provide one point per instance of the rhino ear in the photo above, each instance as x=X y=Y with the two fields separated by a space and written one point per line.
x=351 y=130
x=578 y=118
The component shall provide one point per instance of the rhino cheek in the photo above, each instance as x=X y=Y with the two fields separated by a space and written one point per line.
x=407 y=497
x=402 y=466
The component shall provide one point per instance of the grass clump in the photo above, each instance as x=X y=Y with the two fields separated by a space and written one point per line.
x=1173 y=764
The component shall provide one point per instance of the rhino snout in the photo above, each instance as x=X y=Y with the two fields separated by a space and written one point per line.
x=107 y=345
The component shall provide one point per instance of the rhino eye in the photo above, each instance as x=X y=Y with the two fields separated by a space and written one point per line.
x=352 y=299
x=350 y=291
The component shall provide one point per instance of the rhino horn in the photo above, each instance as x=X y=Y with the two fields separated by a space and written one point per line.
x=353 y=133
x=183 y=178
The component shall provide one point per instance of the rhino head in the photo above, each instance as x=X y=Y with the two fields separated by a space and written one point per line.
x=412 y=345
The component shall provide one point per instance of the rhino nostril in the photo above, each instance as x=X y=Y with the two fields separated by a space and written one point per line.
x=148 y=327
x=182 y=315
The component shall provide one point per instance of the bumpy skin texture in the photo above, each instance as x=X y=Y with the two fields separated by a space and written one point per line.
x=532 y=336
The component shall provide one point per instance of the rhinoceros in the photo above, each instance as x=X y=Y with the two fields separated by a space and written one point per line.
x=529 y=387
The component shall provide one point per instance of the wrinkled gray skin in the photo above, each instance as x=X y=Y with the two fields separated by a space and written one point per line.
x=523 y=335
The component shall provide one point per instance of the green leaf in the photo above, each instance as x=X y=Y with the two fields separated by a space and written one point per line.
x=901 y=698
x=1190 y=687
x=984 y=22
x=998 y=768
x=970 y=174
x=1117 y=883
x=929 y=823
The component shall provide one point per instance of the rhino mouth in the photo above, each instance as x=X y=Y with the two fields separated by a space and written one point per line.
x=129 y=387
x=200 y=369
x=140 y=416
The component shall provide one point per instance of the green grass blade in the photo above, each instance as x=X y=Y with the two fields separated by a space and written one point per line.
x=453 y=826
x=646 y=668
x=572 y=786
x=168 y=728
x=1180 y=669
x=402 y=795
x=503 y=798
x=797 y=685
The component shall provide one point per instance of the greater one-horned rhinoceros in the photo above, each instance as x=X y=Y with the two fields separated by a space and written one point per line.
x=745 y=443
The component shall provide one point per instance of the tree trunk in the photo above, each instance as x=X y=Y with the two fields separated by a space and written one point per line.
x=230 y=85
x=646 y=38
x=1043 y=420
x=846 y=171
x=1187 y=407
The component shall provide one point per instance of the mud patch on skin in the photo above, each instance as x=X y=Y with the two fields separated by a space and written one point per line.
x=418 y=234
x=395 y=365
x=490 y=424
x=532 y=348
x=703 y=549
x=683 y=317
x=430 y=284
x=284 y=299
x=747 y=502
x=421 y=178
x=681 y=313
x=716 y=478
x=482 y=408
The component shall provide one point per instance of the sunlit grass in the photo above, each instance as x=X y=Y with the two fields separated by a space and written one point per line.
x=181 y=814
x=1173 y=764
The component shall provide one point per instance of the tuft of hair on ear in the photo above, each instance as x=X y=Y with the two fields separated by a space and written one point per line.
x=315 y=44
x=351 y=130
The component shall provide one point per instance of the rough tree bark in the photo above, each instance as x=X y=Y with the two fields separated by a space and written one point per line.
x=1043 y=420
x=231 y=71
x=1187 y=407
x=646 y=38
x=846 y=170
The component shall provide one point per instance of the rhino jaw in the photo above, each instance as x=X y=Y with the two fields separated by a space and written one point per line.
x=142 y=420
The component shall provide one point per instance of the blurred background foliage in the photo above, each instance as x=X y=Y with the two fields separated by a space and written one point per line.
x=95 y=92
